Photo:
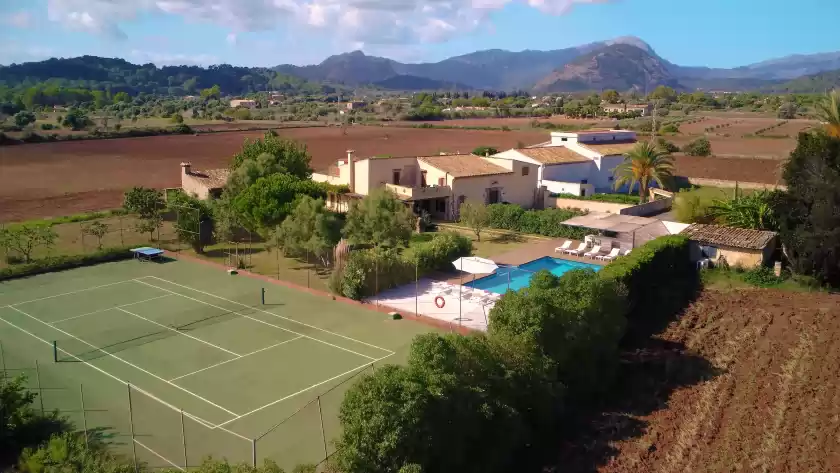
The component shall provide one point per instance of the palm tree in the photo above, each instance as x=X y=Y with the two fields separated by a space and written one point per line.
x=644 y=164
x=828 y=112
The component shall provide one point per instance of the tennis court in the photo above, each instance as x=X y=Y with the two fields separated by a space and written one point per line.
x=207 y=362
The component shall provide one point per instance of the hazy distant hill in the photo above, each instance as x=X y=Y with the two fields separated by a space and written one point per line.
x=409 y=82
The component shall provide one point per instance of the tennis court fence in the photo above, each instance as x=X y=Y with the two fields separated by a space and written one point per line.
x=156 y=434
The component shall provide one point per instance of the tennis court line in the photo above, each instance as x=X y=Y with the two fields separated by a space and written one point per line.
x=158 y=455
x=272 y=314
x=107 y=309
x=234 y=359
x=72 y=292
x=127 y=363
x=179 y=332
x=301 y=391
x=252 y=318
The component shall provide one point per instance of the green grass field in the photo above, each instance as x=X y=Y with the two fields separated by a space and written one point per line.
x=187 y=336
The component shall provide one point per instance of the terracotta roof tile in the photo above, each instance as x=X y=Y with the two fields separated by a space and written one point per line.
x=610 y=148
x=464 y=165
x=729 y=236
x=212 y=178
x=554 y=155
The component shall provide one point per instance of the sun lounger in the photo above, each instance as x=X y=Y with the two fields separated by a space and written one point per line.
x=578 y=251
x=564 y=247
x=611 y=256
x=626 y=252
x=595 y=252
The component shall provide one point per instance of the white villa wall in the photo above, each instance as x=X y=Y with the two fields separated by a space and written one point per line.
x=561 y=138
x=560 y=187
x=570 y=172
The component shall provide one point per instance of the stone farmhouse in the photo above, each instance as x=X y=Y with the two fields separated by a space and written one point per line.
x=644 y=109
x=245 y=103
x=203 y=184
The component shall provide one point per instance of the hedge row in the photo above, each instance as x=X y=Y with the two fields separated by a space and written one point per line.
x=659 y=278
x=614 y=198
x=546 y=222
x=367 y=272
x=61 y=263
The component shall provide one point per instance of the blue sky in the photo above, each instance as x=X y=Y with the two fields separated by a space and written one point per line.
x=715 y=33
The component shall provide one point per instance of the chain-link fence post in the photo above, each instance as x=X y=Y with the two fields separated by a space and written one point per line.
x=184 y=440
x=40 y=390
x=84 y=413
x=308 y=269
x=254 y=453
x=3 y=359
x=122 y=237
x=131 y=424
x=323 y=434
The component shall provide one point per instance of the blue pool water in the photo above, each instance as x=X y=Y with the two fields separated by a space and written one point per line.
x=517 y=277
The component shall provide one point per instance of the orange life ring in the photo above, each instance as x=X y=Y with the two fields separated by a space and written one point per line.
x=440 y=302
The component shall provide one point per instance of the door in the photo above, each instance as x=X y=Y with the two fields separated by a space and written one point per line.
x=422 y=178
x=396 y=177
x=493 y=196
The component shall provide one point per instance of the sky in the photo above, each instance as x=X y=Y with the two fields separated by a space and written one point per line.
x=714 y=33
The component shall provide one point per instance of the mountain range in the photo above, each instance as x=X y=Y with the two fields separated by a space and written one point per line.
x=621 y=63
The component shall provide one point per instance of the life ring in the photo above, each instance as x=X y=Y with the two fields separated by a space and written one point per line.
x=440 y=302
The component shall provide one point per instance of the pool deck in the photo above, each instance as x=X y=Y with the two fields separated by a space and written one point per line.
x=530 y=252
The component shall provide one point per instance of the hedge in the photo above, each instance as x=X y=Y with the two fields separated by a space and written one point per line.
x=614 y=198
x=64 y=262
x=659 y=278
x=546 y=222
x=367 y=272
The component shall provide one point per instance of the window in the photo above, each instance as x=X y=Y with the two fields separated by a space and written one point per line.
x=422 y=178
x=442 y=181
x=611 y=178
x=396 y=177
x=526 y=170
x=564 y=139
x=440 y=205
x=708 y=251
x=584 y=181
x=493 y=196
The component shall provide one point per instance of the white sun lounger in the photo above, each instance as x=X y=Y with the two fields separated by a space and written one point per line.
x=595 y=252
x=564 y=247
x=578 y=251
x=611 y=256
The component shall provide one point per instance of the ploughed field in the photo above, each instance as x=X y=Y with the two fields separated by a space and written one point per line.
x=53 y=179
x=743 y=381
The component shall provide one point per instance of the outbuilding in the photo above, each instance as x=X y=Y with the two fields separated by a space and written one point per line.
x=738 y=246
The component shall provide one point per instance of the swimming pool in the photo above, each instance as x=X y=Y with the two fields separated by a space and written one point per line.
x=517 y=277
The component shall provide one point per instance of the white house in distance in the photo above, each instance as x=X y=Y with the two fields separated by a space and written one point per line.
x=245 y=103
x=579 y=163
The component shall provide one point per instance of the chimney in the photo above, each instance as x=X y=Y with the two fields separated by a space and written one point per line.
x=352 y=169
x=187 y=167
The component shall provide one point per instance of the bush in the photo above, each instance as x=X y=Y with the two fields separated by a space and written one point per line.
x=61 y=263
x=541 y=222
x=614 y=198
x=762 y=276
x=667 y=146
x=659 y=278
x=699 y=147
x=440 y=252
x=47 y=126
x=670 y=128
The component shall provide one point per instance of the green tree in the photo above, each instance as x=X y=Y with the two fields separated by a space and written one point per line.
x=828 y=112
x=663 y=92
x=485 y=151
x=310 y=228
x=610 y=96
x=143 y=201
x=122 y=97
x=149 y=224
x=699 y=147
x=21 y=426
x=270 y=199
x=787 y=111
x=76 y=119
x=25 y=239
x=266 y=156
x=24 y=118
x=809 y=221
x=379 y=219
x=194 y=220
x=70 y=452
x=211 y=93
x=475 y=216
x=98 y=230
x=177 y=118
x=643 y=165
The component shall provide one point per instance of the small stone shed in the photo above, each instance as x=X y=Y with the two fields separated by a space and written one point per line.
x=203 y=184
x=738 y=246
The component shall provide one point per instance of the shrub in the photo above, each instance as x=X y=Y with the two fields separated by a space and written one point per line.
x=614 y=198
x=670 y=128
x=47 y=126
x=659 y=278
x=440 y=252
x=61 y=263
x=761 y=276
x=541 y=222
x=699 y=147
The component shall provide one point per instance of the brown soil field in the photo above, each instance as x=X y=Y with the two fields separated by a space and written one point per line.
x=743 y=381
x=747 y=147
x=53 y=179
x=698 y=128
x=765 y=171
x=793 y=127
x=524 y=122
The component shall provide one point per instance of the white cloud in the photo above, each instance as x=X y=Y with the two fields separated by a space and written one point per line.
x=14 y=52
x=231 y=39
x=372 y=22
x=169 y=59
x=21 y=19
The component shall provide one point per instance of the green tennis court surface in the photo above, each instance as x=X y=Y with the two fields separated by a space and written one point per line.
x=205 y=366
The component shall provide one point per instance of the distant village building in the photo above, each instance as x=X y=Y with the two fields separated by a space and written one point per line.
x=203 y=184
x=645 y=109
x=355 y=104
x=245 y=103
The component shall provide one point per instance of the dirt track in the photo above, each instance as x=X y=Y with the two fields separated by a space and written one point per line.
x=755 y=388
x=53 y=179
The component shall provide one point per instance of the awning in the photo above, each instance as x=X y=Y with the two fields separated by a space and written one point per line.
x=610 y=222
